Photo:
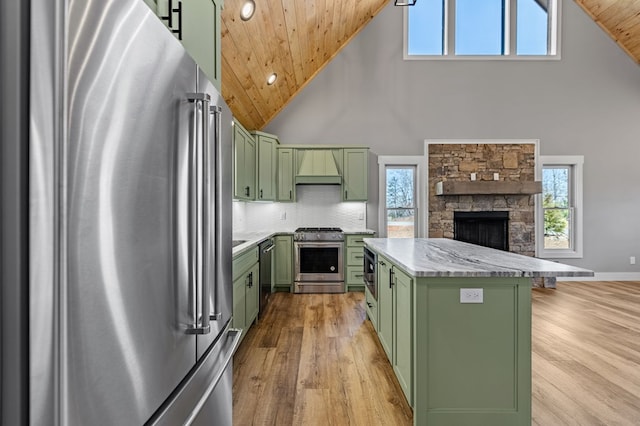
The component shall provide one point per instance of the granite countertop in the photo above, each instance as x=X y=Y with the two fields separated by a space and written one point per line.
x=442 y=257
x=252 y=238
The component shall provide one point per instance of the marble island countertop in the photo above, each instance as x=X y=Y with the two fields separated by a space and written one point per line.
x=441 y=257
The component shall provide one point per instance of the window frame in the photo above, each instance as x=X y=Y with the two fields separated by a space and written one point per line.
x=510 y=30
x=399 y=161
x=575 y=164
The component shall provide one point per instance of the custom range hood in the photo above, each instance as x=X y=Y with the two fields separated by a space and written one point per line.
x=318 y=167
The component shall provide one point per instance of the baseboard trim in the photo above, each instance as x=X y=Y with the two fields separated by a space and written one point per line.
x=606 y=276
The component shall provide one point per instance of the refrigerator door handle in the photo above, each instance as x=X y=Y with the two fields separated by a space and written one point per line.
x=215 y=314
x=198 y=217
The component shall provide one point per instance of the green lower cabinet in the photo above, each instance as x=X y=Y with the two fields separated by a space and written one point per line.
x=354 y=261
x=462 y=364
x=403 y=331
x=371 y=308
x=472 y=360
x=283 y=263
x=385 y=306
x=246 y=289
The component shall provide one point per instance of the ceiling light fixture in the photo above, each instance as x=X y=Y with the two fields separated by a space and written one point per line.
x=248 y=8
x=272 y=79
x=404 y=2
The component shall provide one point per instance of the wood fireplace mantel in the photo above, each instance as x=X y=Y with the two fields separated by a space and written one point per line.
x=492 y=187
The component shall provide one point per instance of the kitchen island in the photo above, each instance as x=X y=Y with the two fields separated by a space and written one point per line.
x=455 y=321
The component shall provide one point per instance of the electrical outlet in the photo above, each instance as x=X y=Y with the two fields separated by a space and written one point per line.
x=632 y=260
x=496 y=176
x=360 y=216
x=473 y=176
x=471 y=295
x=283 y=215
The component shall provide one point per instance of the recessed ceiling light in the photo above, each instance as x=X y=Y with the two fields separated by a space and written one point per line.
x=272 y=79
x=248 y=8
x=405 y=2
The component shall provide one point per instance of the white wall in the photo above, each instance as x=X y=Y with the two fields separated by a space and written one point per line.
x=587 y=103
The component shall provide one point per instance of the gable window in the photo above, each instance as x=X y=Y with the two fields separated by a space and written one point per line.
x=504 y=29
x=560 y=227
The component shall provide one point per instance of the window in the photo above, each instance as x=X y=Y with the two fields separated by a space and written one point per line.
x=401 y=201
x=399 y=215
x=507 y=29
x=560 y=224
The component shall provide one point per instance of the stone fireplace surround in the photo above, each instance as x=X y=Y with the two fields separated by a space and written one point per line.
x=455 y=162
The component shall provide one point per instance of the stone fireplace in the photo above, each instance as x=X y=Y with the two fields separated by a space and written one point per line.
x=514 y=165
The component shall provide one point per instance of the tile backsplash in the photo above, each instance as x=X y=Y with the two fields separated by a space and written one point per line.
x=316 y=205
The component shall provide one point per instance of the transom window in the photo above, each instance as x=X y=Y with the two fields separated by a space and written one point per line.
x=507 y=29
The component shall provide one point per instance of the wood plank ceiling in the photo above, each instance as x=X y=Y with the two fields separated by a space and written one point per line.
x=293 y=38
x=620 y=19
x=297 y=38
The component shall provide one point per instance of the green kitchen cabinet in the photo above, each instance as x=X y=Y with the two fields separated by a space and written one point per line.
x=354 y=261
x=457 y=363
x=266 y=144
x=283 y=262
x=403 y=330
x=355 y=174
x=200 y=32
x=385 y=306
x=246 y=288
x=395 y=325
x=371 y=308
x=244 y=170
x=286 y=188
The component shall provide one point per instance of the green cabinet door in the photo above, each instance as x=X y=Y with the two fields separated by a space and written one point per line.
x=239 y=302
x=252 y=302
x=199 y=33
x=286 y=189
x=244 y=171
x=283 y=262
x=267 y=166
x=403 y=331
x=355 y=174
x=385 y=306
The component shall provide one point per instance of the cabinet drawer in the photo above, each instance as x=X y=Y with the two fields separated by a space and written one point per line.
x=371 y=306
x=244 y=261
x=356 y=240
x=355 y=275
x=355 y=257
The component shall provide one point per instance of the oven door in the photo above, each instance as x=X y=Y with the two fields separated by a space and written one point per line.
x=370 y=279
x=319 y=261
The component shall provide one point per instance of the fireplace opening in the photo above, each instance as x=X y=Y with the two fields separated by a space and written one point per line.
x=486 y=228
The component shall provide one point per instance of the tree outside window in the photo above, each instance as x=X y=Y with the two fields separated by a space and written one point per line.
x=400 y=196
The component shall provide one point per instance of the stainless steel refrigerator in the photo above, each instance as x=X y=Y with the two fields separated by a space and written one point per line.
x=128 y=236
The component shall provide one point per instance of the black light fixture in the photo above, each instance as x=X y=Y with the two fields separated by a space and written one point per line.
x=404 y=2
x=248 y=8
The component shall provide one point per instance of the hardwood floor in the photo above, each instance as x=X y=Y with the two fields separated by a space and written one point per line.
x=315 y=360
x=586 y=354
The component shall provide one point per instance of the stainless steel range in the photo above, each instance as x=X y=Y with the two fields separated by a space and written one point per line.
x=319 y=260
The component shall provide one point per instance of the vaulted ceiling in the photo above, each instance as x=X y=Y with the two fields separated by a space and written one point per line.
x=297 y=38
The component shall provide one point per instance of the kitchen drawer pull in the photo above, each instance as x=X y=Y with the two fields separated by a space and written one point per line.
x=358 y=241
x=359 y=257
x=359 y=275
x=391 y=277
x=369 y=304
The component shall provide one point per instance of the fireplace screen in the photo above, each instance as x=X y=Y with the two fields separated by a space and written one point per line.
x=486 y=228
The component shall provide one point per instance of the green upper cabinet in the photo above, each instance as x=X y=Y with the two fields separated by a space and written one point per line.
x=286 y=188
x=199 y=31
x=267 y=166
x=355 y=174
x=244 y=163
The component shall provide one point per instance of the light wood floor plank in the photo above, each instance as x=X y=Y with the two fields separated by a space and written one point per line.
x=315 y=360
